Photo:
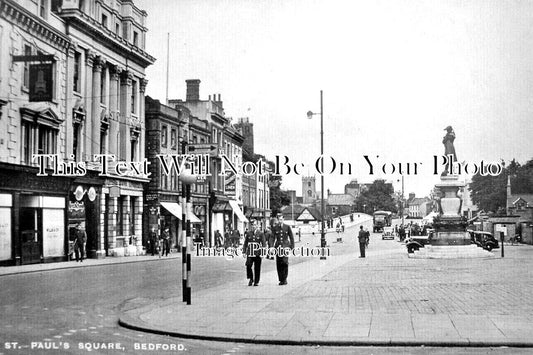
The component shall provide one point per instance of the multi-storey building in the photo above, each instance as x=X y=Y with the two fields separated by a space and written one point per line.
x=89 y=85
x=224 y=208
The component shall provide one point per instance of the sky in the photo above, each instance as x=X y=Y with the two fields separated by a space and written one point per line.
x=393 y=73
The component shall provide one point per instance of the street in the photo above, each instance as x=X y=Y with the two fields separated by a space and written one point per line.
x=79 y=308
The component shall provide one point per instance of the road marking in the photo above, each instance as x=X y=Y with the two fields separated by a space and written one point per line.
x=67 y=333
x=58 y=336
x=83 y=330
x=92 y=327
x=72 y=330
x=116 y=333
x=95 y=332
x=100 y=315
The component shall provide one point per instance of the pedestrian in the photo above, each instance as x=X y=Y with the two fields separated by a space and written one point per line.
x=152 y=241
x=283 y=239
x=227 y=239
x=219 y=242
x=165 y=240
x=362 y=241
x=254 y=243
x=79 y=242
x=269 y=237
x=236 y=238
x=367 y=234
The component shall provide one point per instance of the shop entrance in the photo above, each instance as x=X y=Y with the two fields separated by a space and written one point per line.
x=31 y=238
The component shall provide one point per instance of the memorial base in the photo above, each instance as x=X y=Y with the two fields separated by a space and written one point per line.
x=450 y=252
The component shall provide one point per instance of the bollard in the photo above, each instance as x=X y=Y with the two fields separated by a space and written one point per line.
x=502 y=236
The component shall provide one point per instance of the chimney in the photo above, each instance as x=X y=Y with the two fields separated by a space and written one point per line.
x=193 y=90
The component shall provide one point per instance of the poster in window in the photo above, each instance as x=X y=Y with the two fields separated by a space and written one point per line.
x=5 y=233
x=41 y=82
x=53 y=232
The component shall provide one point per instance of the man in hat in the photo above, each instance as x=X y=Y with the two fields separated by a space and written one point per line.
x=283 y=238
x=79 y=242
x=254 y=242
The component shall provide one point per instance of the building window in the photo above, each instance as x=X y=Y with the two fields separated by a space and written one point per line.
x=309 y=183
x=135 y=39
x=194 y=139
x=37 y=139
x=103 y=141
x=133 y=96
x=75 y=140
x=173 y=138
x=133 y=149
x=26 y=75
x=214 y=138
x=117 y=29
x=42 y=8
x=164 y=136
x=77 y=72
x=104 y=20
x=163 y=180
x=103 y=94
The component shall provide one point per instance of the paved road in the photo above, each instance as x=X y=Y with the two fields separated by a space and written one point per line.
x=81 y=306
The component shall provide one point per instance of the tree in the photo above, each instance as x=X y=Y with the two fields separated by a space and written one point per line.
x=278 y=197
x=379 y=196
x=489 y=193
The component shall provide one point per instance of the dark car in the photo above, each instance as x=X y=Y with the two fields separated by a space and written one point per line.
x=416 y=242
x=484 y=240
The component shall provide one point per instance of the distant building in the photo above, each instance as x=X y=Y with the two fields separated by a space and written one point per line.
x=339 y=204
x=309 y=193
x=521 y=205
x=419 y=207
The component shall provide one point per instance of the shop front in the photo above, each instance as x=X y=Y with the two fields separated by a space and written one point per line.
x=84 y=208
x=33 y=216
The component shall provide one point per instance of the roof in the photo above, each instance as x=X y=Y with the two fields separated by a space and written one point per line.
x=300 y=212
x=512 y=199
x=418 y=200
x=340 y=200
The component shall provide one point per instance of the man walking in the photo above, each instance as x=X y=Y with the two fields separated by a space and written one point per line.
x=79 y=243
x=362 y=241
x=165 y=237
x=254 y=242
x=283 y=239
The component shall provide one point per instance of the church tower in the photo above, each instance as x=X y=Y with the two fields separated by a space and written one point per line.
x=308 y=189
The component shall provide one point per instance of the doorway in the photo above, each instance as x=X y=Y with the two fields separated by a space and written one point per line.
x=30 y=234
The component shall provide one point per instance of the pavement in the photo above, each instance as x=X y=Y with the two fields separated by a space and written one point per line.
x=385 y=299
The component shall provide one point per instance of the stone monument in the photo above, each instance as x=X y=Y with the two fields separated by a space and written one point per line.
x=450 y=238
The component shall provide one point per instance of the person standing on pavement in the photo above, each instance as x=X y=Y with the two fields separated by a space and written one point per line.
x=283 y=239
x=362 y=241
x=165 y=239
x=254 y=243
x=79 y=242
x=152 y=239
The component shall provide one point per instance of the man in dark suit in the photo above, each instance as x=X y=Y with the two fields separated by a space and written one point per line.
x=362 y=241
x=283 y=238
x=254 y=242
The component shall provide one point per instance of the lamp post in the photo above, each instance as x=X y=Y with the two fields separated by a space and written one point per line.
x=310 y=115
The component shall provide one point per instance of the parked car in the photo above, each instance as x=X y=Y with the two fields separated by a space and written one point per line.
x=484 y=240
x=388 y=233
x=419 y=241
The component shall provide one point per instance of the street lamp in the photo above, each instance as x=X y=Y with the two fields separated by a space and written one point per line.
x=310 y=115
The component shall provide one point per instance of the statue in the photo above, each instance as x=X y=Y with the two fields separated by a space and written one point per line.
x=448 y=139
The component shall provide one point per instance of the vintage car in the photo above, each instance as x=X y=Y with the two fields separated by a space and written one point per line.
x=388 y=233
x=483 y=240
x=416 y=242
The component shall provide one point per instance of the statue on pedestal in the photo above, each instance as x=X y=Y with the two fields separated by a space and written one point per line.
x=448 y=139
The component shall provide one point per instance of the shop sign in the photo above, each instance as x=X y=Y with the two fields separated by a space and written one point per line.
x=91 y=194
x=53 y=232
x=76 y=209
x=41 y=82
x=151 y=197
x=229 y=183
x=78 y=193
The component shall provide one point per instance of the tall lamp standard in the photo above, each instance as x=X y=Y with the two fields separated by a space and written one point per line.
x=310 y=115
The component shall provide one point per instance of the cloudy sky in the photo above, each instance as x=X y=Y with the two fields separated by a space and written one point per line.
x=394 y=75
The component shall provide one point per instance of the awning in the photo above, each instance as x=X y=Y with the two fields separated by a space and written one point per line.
x=194 y=218
x=238 y=210
x=173 y=208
